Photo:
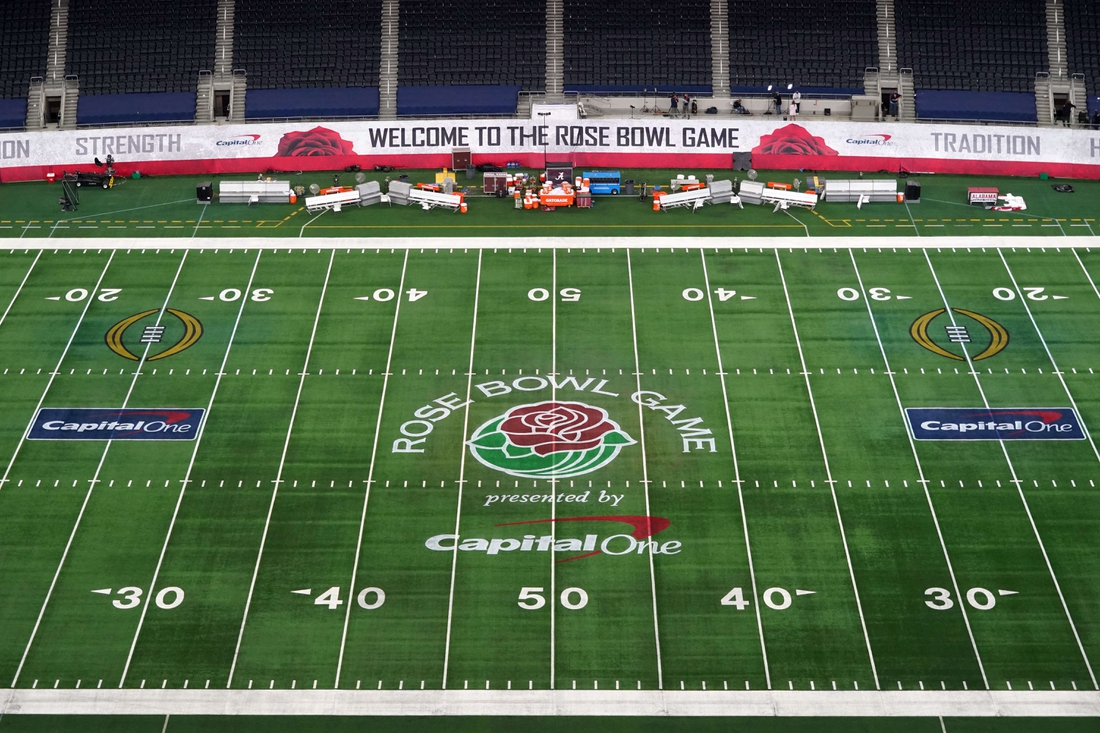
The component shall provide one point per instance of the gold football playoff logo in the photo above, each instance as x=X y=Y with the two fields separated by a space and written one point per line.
x=192 y=332
x=998 y=336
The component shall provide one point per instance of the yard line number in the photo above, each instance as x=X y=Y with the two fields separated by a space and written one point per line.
x=76 y=295
x=1030 y=293
x=384 y=295
x=369 y=598
x=979 y=598
x=568 y=295
x=531 y=598
x=168 y=598
x=851 y=294
x=777 y=599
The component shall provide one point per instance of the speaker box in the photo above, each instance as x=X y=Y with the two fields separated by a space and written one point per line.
x=204 y=193
x=742 y=161
x=912 y=191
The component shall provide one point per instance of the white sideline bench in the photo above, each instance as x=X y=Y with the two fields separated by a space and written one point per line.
x=334 y=201
x=430 y=199
x=693 y=199
x=786 y=199
x=254 y=192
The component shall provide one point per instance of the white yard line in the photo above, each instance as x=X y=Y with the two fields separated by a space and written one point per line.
x=279 y=474
x=804 y=227
x=553 y=478
x=654 y=703
x=95 y=478
x=1042 y=339
x=370 y=471
x=1016 y=480
x=196 y=230
x=736 y=470
x=20 y=288
x=645 y=471
x=920 y=470
x=461 y=473
x=828 y=471
x=303 y=229
x=1085 y=270
x=187 y=475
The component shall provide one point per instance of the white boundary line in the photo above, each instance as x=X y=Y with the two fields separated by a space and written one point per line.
x=1016 y=480
x=187 y=475
x=95 y=477
x=20 y=288
x=645 y=471
x=462 y=473
x=553 y=476
x=652 y=703
x=920 y=471
x=279 y=475
x=370 y=473
x=736 y=470
x=56 y=370
x=828 y=471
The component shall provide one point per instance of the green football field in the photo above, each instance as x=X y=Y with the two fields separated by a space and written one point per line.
x=356 y=512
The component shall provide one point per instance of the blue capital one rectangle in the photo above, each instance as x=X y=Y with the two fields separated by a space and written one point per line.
x=112 y=423
x=998 y=423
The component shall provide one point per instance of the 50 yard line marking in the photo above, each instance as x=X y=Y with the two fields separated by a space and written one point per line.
x=95 y=478
x=187 y=475
x=828 y=470
x=920 y=471
x=1016 y=480
x=736 y=470
x=645 y=470
x=462 y=472
x=279 y=475
x=370 y=472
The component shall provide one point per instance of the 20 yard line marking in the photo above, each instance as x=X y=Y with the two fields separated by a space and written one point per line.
x=736 y=471
x=920 y=471
x=187 y=474
x=20 y=288
x=462 y=472
x=279 y=474
x=645 y=470
x=95 y=477
x=53 y=375
x=828 y=470
x=1016 y=481
x=370 y=473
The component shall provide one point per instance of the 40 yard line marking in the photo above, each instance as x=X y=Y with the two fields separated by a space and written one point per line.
x=736 y=471
x=645 y=470
x=20 y=288
x=920 y=471
x=187 y=475
x=828 y=470
x=1017 y=482
x=95 y=477
x=279 y=475
x=54 y=373
x=462 y=472
x=370 y=472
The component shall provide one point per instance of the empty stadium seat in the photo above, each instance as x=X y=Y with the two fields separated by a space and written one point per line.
x=24 y=43
x=1082 y=18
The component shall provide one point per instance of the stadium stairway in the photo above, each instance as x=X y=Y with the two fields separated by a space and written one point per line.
x=720 y=49
x=52 y=85
x=555 y=54
x=1057 y=83
x=387 y=67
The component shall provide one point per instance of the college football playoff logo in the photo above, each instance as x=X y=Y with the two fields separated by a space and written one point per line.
x=549 y=440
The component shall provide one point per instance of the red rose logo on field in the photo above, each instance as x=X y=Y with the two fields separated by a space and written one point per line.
x=792 y=140
x=320 y=141
x=551 y=427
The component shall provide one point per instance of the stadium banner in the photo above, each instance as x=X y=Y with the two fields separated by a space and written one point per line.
x=112 y=423
x=998 y=423
x=699 y=142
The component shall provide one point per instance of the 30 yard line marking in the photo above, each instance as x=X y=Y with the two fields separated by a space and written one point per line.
x=920 y=470
x=187 y=475
x=736 y=470
x=645 y=470
x=1017 y=482
x=20 y=288
x=462 y=472
x=279 y=474
x=53 y=374
x=95 y=477
x=828 y=470
x=370 y=471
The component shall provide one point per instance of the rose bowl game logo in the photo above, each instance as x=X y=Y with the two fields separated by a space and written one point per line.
x=549 y=440
x=792 y=140
x=320 y=141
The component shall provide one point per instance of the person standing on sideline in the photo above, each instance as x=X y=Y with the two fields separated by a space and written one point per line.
x=778 y=100
x=674 y=103
x=796 y=100
x=687 y=102
x=895 y=99
x=792 y=109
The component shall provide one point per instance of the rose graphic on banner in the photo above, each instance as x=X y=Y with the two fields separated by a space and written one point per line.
x=792 y=140
x=320 y=141
x=549 y=439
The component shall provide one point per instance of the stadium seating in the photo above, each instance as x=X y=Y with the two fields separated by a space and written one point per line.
x=492 y=42
x=295 y=44
x=963 y=45
x=814 y=44
x=637 y=45
x=1082 y=18
x=126 y=47
x=24 y=42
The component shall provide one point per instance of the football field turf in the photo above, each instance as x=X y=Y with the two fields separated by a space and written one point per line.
x=730 y=497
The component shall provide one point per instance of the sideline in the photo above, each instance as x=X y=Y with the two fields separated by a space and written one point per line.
x=781 y=703
x=571 y=243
